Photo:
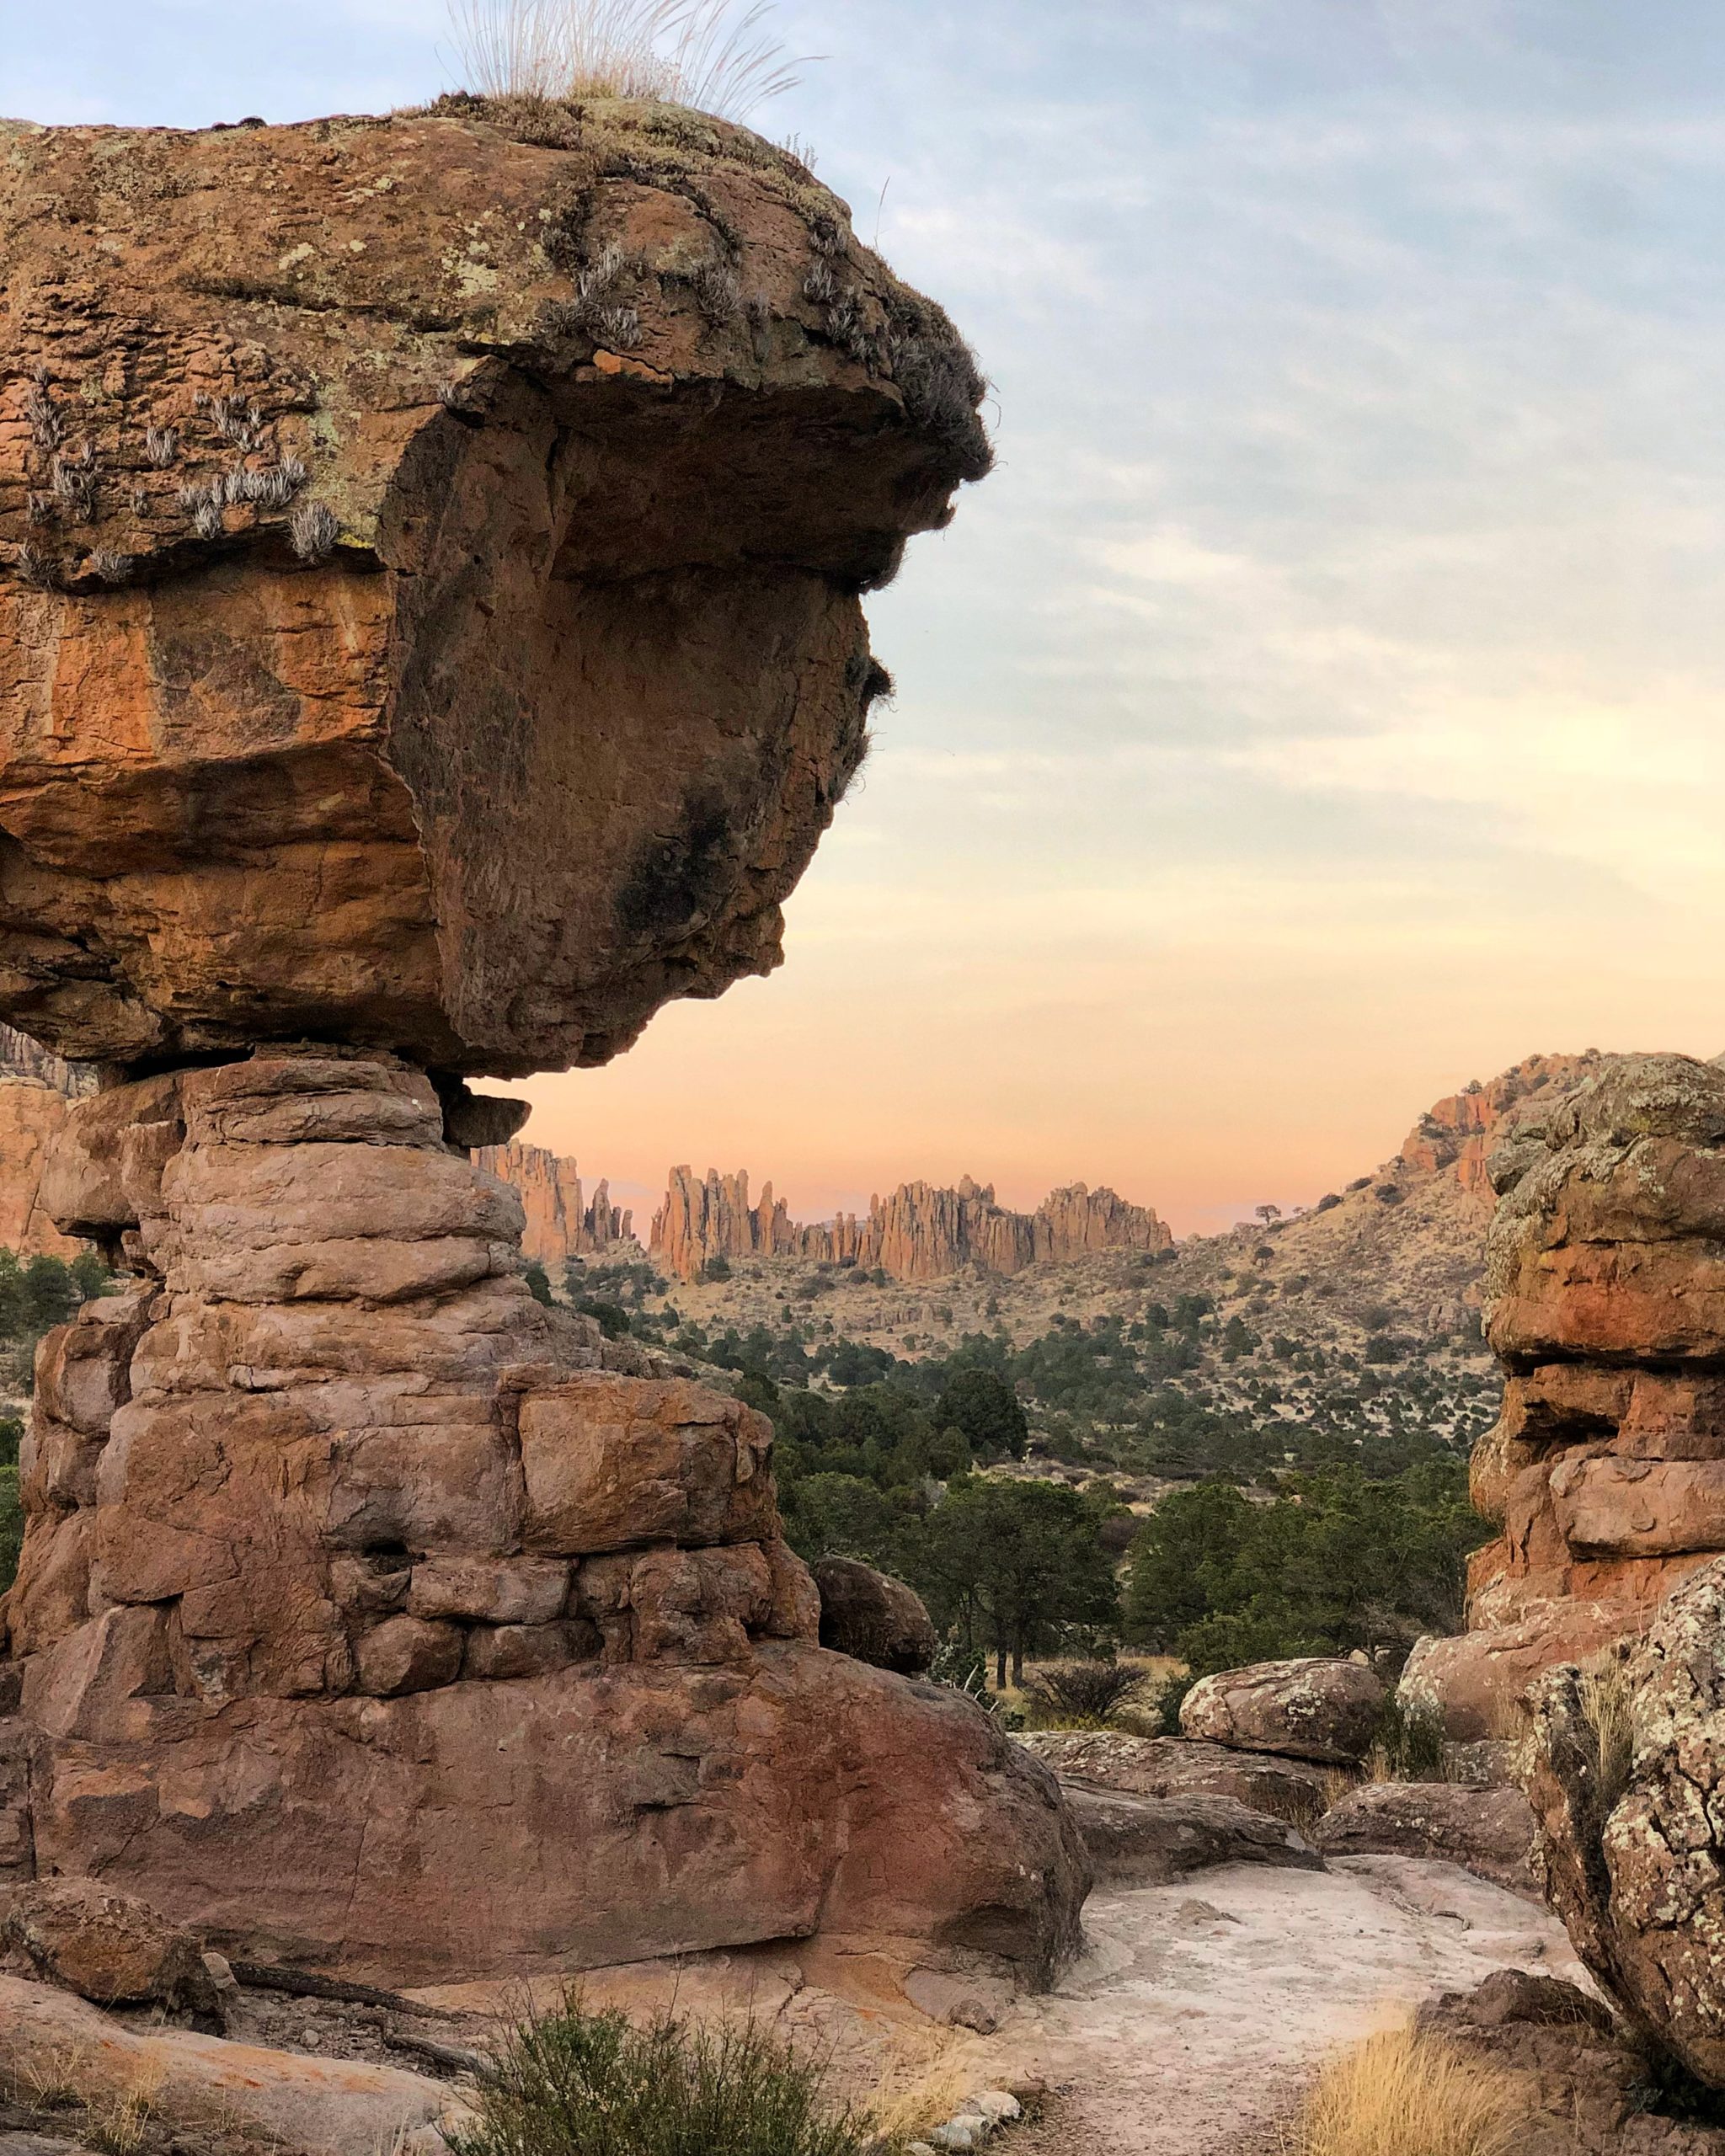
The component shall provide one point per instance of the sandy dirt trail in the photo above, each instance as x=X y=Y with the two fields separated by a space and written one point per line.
x=1200 y=2010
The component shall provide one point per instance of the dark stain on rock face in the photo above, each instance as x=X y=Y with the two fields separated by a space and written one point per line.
x=677 y=881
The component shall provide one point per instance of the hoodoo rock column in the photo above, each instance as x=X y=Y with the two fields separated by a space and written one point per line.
x=1605 y=1300
x=430 y=641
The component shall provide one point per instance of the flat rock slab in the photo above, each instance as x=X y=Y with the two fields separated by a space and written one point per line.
x=1489 y=1832
x=293 y=2105
x=1201 y=2010
x=1182 y=1766
x=1147 y=1841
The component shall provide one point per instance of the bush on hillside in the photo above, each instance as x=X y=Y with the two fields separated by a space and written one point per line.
x=575 y=2083
x=1083 y=1694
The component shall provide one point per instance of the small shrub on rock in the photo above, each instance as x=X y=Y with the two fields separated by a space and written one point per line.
x=576 y=2084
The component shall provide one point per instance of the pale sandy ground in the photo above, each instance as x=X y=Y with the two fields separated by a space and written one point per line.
x=1201 y=2010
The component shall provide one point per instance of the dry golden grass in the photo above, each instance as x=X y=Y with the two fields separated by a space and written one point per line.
x=702 y=53
x=1607 y=1701
x=1401 y=2094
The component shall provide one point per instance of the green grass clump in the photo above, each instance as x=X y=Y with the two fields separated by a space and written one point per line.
x=576 y=2084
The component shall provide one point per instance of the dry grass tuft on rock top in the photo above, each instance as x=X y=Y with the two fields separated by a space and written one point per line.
x=701 y=53
x=575 y=2083
x=1402 y=2094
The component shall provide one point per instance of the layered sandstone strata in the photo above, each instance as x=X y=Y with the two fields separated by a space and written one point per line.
x=373 y=1615
x=561 y=1224
x=920 y=1232
x=1605 y=1299
x=430 y=552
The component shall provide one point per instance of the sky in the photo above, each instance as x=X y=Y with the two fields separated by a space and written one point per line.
x=1320 y=705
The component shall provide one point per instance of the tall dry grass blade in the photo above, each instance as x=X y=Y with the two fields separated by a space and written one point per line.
x=1607 y=1702
x=692 y=52
x=1402 y=2094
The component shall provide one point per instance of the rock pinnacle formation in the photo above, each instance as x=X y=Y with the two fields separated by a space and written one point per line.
x=1605 y=1472
x=430 y=640
x=918 y=1233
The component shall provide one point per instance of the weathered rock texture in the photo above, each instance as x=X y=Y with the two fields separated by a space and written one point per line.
x=1626 y=1775
x=918 y=1233
x=34 y=1089
x=1605 y=1299
x=560 y=1222
x=374 y=1615
x=429 y=559
x=1147 y=1841
x=1315 y=1707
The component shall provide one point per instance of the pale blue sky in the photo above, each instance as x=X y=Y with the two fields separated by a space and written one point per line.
x=1321 y=704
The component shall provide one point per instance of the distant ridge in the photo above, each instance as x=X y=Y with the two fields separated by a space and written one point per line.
x=920 y=1232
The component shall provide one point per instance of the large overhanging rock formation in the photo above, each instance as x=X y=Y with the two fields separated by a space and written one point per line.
x=435 y=547
x=1605 y=1299
x=431 y=640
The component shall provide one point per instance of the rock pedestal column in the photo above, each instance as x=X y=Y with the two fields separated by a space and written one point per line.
x=373 y=1615
x=1605 y=1299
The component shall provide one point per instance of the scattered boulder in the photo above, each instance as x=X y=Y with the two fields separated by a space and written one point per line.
x=872 y=1617
x=1585 y=2090
x=1318 y=1707
x=1147 y=1841
x=109 y=1947
x=1489 y=1832
x=1180 y=1766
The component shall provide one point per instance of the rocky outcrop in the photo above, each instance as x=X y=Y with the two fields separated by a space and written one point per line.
x=183 y=2089
x=328 y=1518
x=1626 y=1775
x=429 y=559
x=1313 y=1708
x=919 y=1233
x=559 y=1223
x=110 y=1947
x=1605 y=1472
x=873 y=1619
x=1457 y=1135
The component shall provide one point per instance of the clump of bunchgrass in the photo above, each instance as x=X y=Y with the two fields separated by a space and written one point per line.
x=1404 y=2093
x=577 y=2083
x=1409 y=1744
x=706 y=54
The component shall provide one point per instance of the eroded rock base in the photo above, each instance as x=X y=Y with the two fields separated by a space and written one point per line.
x=374 y=1616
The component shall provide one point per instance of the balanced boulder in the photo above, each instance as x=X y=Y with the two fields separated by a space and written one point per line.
x=873 y=1618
